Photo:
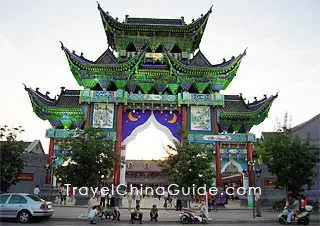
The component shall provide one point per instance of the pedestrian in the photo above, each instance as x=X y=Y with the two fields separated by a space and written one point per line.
x=136 y=214
x=93 y=215
x=137 y=197
x=257 y=204
x=179 y=201
x=154 y=213
x=129 y=198
x=102 y=199
x=303 y=203
x=165 y=196
x=63 y=192
x=36 y=191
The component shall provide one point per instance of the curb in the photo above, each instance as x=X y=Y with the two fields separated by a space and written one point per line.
x=170 y=222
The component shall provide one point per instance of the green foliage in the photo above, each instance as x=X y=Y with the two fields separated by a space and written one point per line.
x=289 y=159
x=11 y=162
x=89 y=159
x=189 y=164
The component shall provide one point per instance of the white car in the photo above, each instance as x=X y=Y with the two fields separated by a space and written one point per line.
x=23 y=207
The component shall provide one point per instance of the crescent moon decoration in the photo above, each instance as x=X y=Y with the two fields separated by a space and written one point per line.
x=131 y=118
x=173 y=120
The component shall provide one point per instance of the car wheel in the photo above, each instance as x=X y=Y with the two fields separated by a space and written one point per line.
x=24 y=216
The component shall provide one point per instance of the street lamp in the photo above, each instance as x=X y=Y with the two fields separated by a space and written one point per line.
x=255 y=172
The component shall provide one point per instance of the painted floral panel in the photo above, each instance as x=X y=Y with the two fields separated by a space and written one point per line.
x=200 y=118
x=103 y=116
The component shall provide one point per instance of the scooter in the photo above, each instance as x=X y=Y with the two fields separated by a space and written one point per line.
x=301 y=218
x=188 y=216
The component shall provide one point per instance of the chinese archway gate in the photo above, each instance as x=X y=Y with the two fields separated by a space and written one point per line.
x=153 y=71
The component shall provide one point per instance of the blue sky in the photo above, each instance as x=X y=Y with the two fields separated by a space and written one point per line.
x=282 y=39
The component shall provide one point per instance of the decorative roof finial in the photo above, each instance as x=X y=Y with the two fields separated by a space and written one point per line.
x=245 y=51
x=37 y=89
x=277 y=94
x=62 y=88
x=81 y=55
x=240 y=94
x=265 y=96
x=223 y=60
x=98 y=5
x=210 y=10
x=25 y=87
x=47 y=93
x=255 y=99
x=62 y=46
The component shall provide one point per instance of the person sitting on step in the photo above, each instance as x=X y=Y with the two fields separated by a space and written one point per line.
x=154 y=213
x=93 y=215
x=136 y=214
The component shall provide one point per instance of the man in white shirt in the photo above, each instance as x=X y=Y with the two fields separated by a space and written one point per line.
x=137 y=197
x=93 y=215
x=165 y=196
x=257 y=202
x=36 y=190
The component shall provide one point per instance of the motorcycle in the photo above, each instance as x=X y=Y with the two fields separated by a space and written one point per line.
x=302 y=218
x=188 y=216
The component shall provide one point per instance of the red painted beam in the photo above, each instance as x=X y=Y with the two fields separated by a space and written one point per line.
x=50 y=154
x=87 y=122
x=184 y=122
x=218 y=166
x=117 y=151
x=249 y=159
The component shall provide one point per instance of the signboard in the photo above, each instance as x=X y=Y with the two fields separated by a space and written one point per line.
x=217 y=137
x=26 y=177
x=155 y=56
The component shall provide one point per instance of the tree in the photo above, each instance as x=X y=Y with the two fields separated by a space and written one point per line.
x=12 y=164
x=288 y=158
x=88 y=159
x=189 y=164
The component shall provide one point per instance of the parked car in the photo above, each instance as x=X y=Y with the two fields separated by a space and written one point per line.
x=24 y=207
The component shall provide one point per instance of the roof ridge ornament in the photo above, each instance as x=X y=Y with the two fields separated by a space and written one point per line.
x=25 y=87
x=62 y=46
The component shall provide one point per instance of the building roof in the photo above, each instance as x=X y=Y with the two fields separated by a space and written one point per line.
x=34 y=147
x=242 y=116
x=309 y=130
x=112 y=26
x=306 y=131
x=199 y=60
x=89 y=74
x=64 y=111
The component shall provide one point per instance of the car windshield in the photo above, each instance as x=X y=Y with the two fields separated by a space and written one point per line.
x=35 y=198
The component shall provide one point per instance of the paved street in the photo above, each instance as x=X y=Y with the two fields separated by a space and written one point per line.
x=67 y=223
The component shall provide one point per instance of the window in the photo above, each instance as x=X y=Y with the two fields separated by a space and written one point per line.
x=3 y=198
x=17 y=199
x=35 y=198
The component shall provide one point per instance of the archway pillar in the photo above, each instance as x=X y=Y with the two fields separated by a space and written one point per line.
x=184 y=123
x=50 y=158
x=117 y=150
x=249 y=159
x=218 y=166
x=217 y=155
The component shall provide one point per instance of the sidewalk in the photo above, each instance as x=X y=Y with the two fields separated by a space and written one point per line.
x=232 y=213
